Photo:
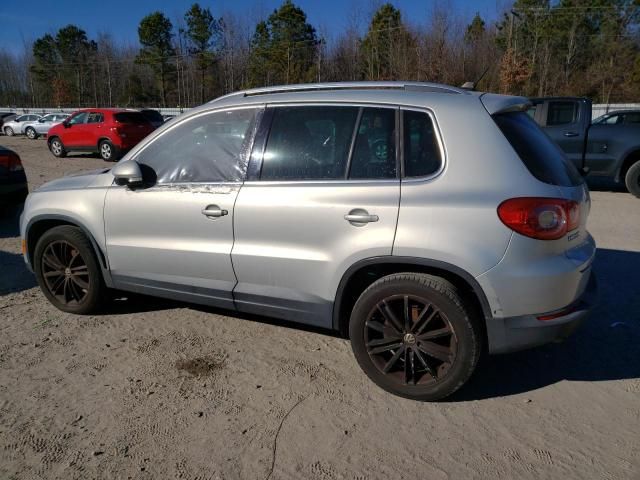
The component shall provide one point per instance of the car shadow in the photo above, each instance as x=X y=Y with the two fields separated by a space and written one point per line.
x=603 y=184
x=14 y=276
x=605 y=347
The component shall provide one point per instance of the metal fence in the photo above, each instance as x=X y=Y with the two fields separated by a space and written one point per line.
x=598 y=109
x=45 y=110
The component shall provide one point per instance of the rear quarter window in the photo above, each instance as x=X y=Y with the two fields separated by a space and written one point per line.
x=542 y=157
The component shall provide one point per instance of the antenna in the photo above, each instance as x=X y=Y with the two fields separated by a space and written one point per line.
x=472 y=85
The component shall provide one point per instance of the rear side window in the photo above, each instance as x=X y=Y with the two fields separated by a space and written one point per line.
x=562 y=113
x=422 y=155
x=135 y=118
x=374 y=154
x=537 y=151
x=308 y=143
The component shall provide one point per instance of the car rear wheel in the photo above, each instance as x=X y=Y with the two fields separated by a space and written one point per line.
x=107 y=151
x=56 y=147
x=413 y=336
x=31 y=133
x=67 y=270
x=632 y=179
x=8 y=131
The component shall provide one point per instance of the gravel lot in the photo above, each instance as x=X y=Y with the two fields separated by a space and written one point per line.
x=155 y=389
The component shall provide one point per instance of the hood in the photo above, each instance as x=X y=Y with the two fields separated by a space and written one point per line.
x=78 y=180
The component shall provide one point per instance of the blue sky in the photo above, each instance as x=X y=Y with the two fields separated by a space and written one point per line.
x=28 y=20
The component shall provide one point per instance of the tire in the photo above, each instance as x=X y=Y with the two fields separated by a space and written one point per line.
x=437 y=323
x=632 y=179
x=107 y=151
x=57 y=148
x=8 y=131
x=31 y=133
x=78 y=286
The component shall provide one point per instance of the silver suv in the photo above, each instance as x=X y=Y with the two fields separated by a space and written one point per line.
x=426 y=222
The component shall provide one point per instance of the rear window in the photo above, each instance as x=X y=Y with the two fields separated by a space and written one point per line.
x=152 y=115
x=537 y=151
x=131 y=117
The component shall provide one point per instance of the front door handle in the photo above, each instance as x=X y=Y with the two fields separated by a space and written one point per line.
x=214 y=211
x=571 y=134
x=359 y=216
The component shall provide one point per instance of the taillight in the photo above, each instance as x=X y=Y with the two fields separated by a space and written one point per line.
x=11 y=162
x=540 y=218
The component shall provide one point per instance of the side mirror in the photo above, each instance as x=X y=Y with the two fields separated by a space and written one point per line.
x=127 y=173
x=66 y=124
x=41 y=120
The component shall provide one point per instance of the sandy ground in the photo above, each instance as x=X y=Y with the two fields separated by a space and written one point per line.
x=154 y=389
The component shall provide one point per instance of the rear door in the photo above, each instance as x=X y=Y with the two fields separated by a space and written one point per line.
x=322 y=194
x=566 y=122
x=173 y=238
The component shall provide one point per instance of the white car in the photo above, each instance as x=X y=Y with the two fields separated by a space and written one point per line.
x=14 y=127
x=40 y=127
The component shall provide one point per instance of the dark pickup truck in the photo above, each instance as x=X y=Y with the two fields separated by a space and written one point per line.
x=601 y=149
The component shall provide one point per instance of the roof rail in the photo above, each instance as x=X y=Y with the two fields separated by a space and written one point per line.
x=307 y=87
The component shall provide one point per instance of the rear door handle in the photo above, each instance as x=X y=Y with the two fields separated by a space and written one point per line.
x=571 y=134
x=214 y=211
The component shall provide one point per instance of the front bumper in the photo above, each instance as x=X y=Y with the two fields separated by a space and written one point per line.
x=518 y=333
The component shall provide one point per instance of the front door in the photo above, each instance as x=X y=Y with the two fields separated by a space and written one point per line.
x=324 y=194
x=173 y=238
x=74 y=134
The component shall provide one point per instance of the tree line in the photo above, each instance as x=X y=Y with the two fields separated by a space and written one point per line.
x=536 y=48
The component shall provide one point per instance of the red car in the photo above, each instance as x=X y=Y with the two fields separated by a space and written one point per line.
x=110 y=132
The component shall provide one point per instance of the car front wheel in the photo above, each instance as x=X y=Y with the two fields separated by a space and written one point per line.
x=67 y=270
x=9 y=132
x=56 y=147
x=413 y=336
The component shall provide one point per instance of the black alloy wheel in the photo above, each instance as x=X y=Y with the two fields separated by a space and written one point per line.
x=65 y=273
x=410 y=340
x=416 y=335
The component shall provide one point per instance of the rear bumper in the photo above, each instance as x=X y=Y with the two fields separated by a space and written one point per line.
x=518 y=333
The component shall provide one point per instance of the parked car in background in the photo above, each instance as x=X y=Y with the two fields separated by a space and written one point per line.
x=13 y=181
x=34 y=129
x=14 y=127
x=154 y=116
x=6 y=116
x=110 y=132
x=352 y=206
x=619 y=117
x=602 y=149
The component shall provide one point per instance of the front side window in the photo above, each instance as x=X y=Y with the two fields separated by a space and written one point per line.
x=562 y=113
x=308 y=143
x=48 y=118
x=374 y=153
x=209 y=148
x=422 y=155
x=78 y=118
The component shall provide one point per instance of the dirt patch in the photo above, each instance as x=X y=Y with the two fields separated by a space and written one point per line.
x=201 y=366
